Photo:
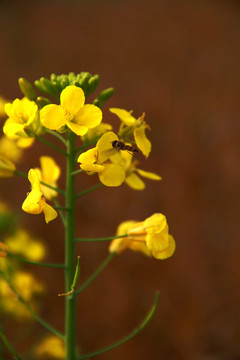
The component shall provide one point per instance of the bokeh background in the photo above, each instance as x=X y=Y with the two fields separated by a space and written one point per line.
x=179 y=62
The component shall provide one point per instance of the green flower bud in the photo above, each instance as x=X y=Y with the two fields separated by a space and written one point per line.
x=93 y=83
x=27 y=89
x=106 y=94
x=42 y=101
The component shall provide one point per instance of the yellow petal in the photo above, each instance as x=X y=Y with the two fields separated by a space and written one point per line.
x=139 y=246
x=135 y=182
x=52 y=117
x=33 y=177
x=158 y=242
x=11 y=128
x=50 y=170
x=112 y=175
x=88 y=157
x=92 y=167
x=49 y=213
x=32 y=203
x=72 y=99
x=89 y=115
x=169 y=251
x=104 y=146
x=124 y=115
x=148 y=174
x=25 y=142
x=142 y=141
x=79 y=130
x=119 y=245
x=155 y=224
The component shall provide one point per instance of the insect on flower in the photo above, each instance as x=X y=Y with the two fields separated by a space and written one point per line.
x=120 y=145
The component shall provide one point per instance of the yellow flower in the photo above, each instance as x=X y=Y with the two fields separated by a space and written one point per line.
x=3 y=250
x=21 y=243
x=9 y=149
x=23 y=119
x=129 y=165
x=71 y=112
x=35 y=203
x=27 y=286
x=49 y=173
x=52 y=347
x=137 y=125
x=149 y=236
x=7 y=167
x=97 y=160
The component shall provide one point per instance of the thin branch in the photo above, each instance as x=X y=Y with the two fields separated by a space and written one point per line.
x=101 y=239
x=32 y=312
x=84 y=192
x=128 y=337
x=51 y=145
x=9 y=346
x=95 y=274
x=19 y=258
x=57 y=135
x=77 y=172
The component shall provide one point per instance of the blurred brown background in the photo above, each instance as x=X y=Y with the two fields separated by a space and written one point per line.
x=179 y=62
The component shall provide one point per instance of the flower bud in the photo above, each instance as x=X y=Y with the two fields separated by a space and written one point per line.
x=93 y=83
x=42 y=101
x=27 y=89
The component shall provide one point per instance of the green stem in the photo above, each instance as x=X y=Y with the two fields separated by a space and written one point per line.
x=128 y=337
x=51 y=145
x=101 y=239
x=60 y=208
x=95 y=274
x=19 y=258
x=70 y=302
x=77 y=172
x=57 y=135
x=32 y=312
x=9 y=346
x=84 y=192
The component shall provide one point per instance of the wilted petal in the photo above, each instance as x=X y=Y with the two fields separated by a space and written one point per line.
x=155 y=224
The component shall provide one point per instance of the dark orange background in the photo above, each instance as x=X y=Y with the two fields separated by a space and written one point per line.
x=179 y=62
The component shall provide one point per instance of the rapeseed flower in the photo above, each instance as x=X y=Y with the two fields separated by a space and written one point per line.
x=23 y=119
x=71 y=112
x=35 y=203
x=150 y=237
x=10 y=149
x=7 y=167
x=97 y=160
x=137 y=126
x=51 y=347
x=25 y=284
x=49 y=173
x=22 y=243
x=129 y=165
